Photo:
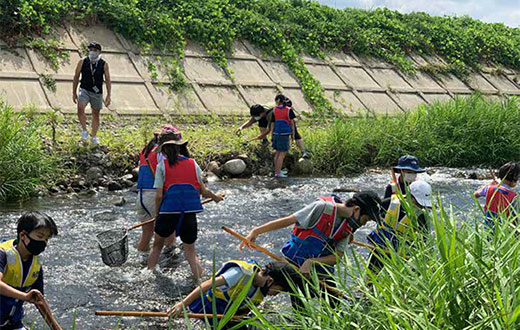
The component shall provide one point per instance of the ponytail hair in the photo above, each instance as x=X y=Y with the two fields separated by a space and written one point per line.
x=149 y=147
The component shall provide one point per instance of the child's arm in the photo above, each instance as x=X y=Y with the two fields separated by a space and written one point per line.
x=205 y=192
x=5 y=290
x=195 y=294
x=328 y=260
x=248 y=123
x=481 y=192
x=270 y=226
x=158 y=201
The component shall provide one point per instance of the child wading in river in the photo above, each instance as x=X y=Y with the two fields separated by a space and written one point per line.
x=501 y=199
x=230 y=281
x=148 y=160
x=21 y=275
x=178 y=180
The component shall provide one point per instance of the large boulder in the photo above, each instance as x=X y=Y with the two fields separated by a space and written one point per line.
x=235 y=166
x=303 y=166
x=214 y=168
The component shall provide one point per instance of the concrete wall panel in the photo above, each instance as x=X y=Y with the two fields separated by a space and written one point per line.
x=64 y=38
x=341 y=58
x=298 y=99
x=62 y=99
x=280 y=72
x=409 y=101
x=357 y=77
x=65 y=69
x=249 y=73
x=432 y=98
x=388 y=78
x=121 y=67
x=423 y=82
x=178 y=103
x=501 y=82
x=15 y=61
x=82 y=35
x=454 y=84
x=20 y=93
x=204 y=70
x=325 y=75
x=477 y=82
x=256 y=95
x=132 y=99
x=346 y=102
x=224 y=100
x=379 y=103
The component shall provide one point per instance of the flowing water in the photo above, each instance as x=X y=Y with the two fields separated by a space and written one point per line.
x=77 y=283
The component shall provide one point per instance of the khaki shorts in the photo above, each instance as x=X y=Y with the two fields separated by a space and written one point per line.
x=95 y=100
x=145 y=205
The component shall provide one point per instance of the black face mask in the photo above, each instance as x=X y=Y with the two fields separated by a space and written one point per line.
x=265 y=289
x=35 y=247
x=354 y=224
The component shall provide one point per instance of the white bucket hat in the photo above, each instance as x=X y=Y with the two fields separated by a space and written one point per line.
x=422 y=192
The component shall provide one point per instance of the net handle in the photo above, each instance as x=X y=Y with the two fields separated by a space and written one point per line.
x=206 y=201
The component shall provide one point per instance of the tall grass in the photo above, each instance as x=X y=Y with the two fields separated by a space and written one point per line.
x=463 y=132
x=459 y=277
x=24 y=164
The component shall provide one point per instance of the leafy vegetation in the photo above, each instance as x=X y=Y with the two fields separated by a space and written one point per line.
x=278 y=27
x=464 y=132
x=24 y=163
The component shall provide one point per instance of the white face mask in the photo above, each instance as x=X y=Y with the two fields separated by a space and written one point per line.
x=409 y=177
x=257 y=118
x=93 y=55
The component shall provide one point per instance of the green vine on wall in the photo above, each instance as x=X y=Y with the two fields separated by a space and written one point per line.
x=286 y=28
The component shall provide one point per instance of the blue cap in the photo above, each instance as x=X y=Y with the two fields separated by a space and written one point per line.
x=408 y=163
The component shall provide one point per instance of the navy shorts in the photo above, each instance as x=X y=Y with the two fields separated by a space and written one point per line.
x=166 y=224
x=281 y=142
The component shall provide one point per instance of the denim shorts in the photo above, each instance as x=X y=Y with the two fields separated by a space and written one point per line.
x=281 y=142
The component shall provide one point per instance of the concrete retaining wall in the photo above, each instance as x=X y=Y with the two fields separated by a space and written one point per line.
x=353 y=84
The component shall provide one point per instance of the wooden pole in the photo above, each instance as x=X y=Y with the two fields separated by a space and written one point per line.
x=46 y=313
x=157 y=314
x=275 y=257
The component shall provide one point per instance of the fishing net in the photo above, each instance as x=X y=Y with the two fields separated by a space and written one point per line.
x=114 y=246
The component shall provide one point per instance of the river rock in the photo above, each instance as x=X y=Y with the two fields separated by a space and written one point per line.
x=128 y=177
x=93 y=175
x=113 y=186
x=127 y=183
x=120 y=202
x=212 y=177
x=54 y=190
x=235 y=166
x=213 y=167
x=303 y=166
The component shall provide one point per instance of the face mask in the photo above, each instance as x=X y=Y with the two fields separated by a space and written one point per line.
x=264 y=289
x=409 y=177
x=35 y=247
x=93 y=55
x=257 y=118
x=354 y=224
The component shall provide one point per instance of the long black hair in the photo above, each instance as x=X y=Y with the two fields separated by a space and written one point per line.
x=151 y=144
x=172 y=152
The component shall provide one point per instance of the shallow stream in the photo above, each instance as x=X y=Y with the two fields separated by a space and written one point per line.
x=77 y=283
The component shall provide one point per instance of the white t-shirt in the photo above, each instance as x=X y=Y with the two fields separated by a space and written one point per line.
x=232 y=276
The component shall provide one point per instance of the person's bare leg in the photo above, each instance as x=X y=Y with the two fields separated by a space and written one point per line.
x=193 y=260
x=95 y=121
x=170 y=241
x=146 y=237
x=278 y=161
x=300 y=145
x=153 y=258
x=82 y=117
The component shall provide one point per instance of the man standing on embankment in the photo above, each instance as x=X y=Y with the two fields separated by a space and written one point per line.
x=92 y=69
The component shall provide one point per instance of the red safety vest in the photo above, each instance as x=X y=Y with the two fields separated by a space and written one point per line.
x=498 y=199
x=147 y=167
x=183 y=172
x=282 y=122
